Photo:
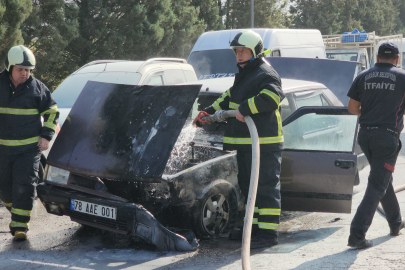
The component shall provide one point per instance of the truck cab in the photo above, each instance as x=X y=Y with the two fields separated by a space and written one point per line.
x=360 y=47
x=356 y=55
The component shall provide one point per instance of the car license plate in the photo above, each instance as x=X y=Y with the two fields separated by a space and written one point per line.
x=93 y=209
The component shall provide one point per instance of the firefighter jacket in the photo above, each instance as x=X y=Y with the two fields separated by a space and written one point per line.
x=256 y=92
x=21 y=109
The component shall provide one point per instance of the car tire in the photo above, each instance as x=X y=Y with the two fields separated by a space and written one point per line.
x=215 y=212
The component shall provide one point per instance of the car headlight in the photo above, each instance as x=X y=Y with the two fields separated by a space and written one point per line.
x=56 y=175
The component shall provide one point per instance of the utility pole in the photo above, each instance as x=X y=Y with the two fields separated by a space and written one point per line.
x=252 y=14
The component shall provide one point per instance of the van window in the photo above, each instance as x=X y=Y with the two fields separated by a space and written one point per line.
x=213 y=63
x=276 y=53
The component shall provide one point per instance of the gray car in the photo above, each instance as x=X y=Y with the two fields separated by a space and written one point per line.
x=198 y=189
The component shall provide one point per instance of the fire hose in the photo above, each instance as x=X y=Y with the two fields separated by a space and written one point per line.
x=221 y=116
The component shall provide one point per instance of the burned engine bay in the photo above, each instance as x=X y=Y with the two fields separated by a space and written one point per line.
x=194 y=146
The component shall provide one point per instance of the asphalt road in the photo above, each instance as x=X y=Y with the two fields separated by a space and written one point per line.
x=58 y=243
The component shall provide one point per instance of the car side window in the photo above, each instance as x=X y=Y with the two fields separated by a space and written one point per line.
x=325 y=102
x=285 y=108
x=312 y=98
x=308 y=99
x=317 y=132
x=174 y=76
x=276 y=53
x=155 y=80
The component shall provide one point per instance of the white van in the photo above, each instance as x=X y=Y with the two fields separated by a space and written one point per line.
x=305 y=43
x=212 y=58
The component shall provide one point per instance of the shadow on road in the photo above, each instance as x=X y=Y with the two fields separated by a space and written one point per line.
x=217 y=253
x=342 y=260
x=293 y=241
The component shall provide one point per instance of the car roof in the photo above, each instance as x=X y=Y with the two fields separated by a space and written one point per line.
x=126 y=65
x=220 y=85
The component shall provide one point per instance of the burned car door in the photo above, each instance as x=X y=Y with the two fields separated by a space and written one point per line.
x=319 y=164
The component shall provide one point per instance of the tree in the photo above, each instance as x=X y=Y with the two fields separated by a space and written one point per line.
x=338 y=16
x=400 y=7
x=318 y=14
x=210 y=11
x=377 y=15
x=267 y=14
x=133 y=29
x=47 y=31
x=348 y=18
x=12 y=14
x=186 y=29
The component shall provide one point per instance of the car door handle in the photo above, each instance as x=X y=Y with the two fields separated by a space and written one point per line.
x=345 y=164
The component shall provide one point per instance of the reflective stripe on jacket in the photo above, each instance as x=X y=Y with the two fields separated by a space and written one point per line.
x=256 y=92
x=21 y=109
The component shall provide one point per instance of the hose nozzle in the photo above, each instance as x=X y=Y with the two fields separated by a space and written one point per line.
x=220 y=116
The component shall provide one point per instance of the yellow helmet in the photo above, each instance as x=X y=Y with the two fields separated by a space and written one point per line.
x=20 y=56
x=248 y=39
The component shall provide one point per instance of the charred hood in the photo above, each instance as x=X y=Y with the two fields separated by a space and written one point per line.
x=122 y=132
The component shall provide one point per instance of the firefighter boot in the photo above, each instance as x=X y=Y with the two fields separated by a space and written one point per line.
x=20 y=236
x=237 y=233
x=264 y=239
x=395 y=232
x=357 y=243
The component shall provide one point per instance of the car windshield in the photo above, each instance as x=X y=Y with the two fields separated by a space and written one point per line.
x=342 y=56
x=213 y=63
x=68 y=91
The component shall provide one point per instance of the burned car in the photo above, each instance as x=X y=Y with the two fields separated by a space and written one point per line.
x=127 y=160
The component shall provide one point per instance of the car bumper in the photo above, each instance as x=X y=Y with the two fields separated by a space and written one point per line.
x=131 y=218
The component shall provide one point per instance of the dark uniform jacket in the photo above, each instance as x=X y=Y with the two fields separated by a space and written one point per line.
x=256 y=92
x=21 y=109
x=381 y=92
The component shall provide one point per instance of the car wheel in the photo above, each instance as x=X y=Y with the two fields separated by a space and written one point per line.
x=215 y=212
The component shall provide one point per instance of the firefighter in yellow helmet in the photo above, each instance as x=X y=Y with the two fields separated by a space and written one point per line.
x=24 y=100
x=257 y=93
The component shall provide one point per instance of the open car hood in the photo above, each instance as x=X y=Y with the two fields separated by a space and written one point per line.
x=336 y=75
x=122 y=132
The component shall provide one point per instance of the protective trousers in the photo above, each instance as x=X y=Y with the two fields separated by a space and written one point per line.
x=18 y=178
x=381 y=148
x=268 y=199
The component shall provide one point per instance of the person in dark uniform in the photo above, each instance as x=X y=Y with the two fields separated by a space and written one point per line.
x=256 y=92
x=23 y=101
x=377 y=97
